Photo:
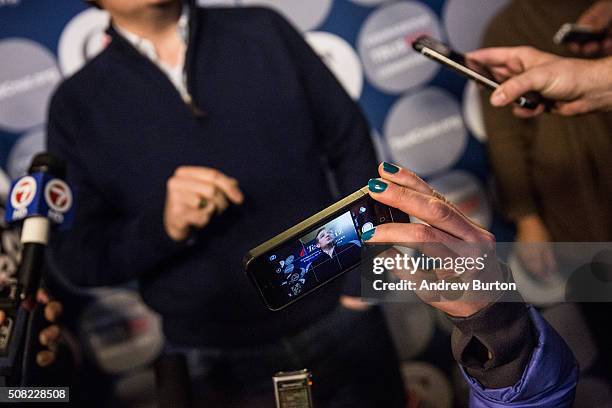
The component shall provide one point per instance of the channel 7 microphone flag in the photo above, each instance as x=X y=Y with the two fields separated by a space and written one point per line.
x=40 y=199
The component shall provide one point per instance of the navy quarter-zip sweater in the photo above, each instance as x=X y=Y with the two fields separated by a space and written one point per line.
x=273 y=114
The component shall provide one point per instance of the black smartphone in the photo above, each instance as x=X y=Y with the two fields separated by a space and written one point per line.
x=573 y=33
x=443 y=54
x=318 y=249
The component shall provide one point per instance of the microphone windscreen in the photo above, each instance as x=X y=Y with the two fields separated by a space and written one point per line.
x=48 y=163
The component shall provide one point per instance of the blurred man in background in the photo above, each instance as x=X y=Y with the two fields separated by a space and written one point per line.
x=548 y=167
x=189 y=140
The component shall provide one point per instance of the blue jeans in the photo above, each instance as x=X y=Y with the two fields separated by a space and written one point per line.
x=350 y=354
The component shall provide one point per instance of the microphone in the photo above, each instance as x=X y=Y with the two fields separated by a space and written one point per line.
x=39 y=199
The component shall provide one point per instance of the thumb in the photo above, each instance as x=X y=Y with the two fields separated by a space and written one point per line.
x=597 y=17
x=509 y=91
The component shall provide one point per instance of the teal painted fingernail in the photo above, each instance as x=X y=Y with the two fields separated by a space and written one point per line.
x=377 y=186
x=390 y=168
x=366 y=236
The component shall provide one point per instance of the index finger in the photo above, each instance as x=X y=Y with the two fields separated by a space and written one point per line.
x=517 y=59
x=495 y=56
x=536 y=79
x=596 y=17
x=432 y=210
x=228 y=185
x=407 y=178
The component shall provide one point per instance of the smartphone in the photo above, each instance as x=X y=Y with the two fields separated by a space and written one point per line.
x=573 y=33
x=292 y=389
x=443 y=54
x=317 y=250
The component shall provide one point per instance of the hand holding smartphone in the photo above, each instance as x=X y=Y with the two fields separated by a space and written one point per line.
x=443 y=54
x=317 y=250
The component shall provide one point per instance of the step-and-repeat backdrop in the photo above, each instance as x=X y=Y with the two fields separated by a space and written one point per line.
x=422 y=116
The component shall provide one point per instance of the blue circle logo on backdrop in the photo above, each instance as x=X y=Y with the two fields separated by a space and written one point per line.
x=305 y=15
x=425 y=131
x=340 y=58
x=385 y=46
x=465 y=21
x=28 y=76
x=82 y=39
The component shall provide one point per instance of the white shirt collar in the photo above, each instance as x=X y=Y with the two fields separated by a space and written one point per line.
x=145 y=47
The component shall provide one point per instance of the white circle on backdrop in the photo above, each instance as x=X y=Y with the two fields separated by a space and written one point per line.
x=5 y=185
x=305 y=15
x=411 y=325
x=340 y=58
x=380 y=146
x=140 y=338
x=28 y=76
x=83 y=38
x=472 y=111
x=216 y=3
x=369 y=3
x=425 y=131
x=534 y=290
x=467 y=193
x=23 y=151
x=466 y=20
x=427 y=384
x=384 y=44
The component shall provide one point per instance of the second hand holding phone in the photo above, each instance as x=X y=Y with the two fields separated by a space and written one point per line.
x=443 y=54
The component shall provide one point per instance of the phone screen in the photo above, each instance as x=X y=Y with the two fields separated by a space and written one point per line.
x=306 y=262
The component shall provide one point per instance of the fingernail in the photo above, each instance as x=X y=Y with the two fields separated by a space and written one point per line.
x=498 y=98
x=366 y=236
x=377 y=186
x=390 y=168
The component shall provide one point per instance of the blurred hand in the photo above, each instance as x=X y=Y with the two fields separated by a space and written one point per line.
x=193 y=195
x=448 y=227
x=598 y=17
x=49 y=336
x=354 y=303
x=578 y=86
x=534 y=250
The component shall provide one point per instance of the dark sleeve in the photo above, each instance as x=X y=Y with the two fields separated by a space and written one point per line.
x=103 y=246
x=495 y=344
x=343 y=132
